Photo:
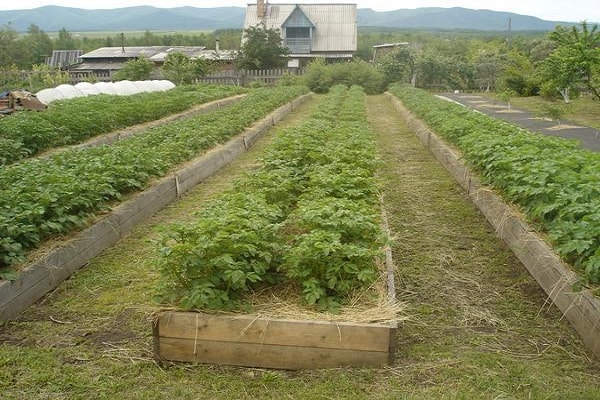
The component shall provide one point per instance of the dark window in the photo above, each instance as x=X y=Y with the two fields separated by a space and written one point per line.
x=295 y=33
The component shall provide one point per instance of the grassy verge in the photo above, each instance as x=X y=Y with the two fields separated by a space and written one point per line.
x=481 y=328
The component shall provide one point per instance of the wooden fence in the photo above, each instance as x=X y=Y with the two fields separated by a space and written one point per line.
x=246 y=77
x=34 y=80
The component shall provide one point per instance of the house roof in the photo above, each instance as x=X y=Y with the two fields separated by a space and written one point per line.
x=196 y=52
x=335 y=24
x=125 y=52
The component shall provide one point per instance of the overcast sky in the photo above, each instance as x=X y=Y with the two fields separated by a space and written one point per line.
x=553 y=10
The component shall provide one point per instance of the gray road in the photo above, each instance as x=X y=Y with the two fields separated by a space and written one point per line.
x=589 y=138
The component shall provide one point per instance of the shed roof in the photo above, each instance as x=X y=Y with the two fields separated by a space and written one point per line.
x=135 y=51
x=335 y=24
x=63 y=58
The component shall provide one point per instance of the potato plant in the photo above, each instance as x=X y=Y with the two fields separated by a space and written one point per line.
x=555 y=183
x=310 y=215
x=40 y=198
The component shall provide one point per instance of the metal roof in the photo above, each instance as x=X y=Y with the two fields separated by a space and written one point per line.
x=64 y=58
x=134 y=52
x=335 y=24
x=196 y=52
x=98 y=66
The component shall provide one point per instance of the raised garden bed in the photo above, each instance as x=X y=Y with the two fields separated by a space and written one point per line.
x=581 y=308
x=312 y=225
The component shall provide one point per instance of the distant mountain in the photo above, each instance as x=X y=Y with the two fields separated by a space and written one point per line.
x=454 y=18
x=54 y=18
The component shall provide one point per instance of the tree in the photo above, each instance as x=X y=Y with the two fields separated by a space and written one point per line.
x=181 y=69
x=138 y=69
x=65 y=40
x=399 y=65
x=519 y=75
x=577 y=54
x=38 y=44
x=262 y=48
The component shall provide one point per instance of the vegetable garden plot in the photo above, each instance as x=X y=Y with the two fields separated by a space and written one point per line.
x=56 y=265
x=53 y=196
x=72 y=121
x=517 y=177
x=314 y=224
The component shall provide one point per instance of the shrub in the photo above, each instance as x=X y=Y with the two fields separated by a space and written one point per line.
x=320 y=76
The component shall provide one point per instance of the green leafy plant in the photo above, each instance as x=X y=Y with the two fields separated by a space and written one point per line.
x=554 y=182
x=310 y=215
x=40 y=198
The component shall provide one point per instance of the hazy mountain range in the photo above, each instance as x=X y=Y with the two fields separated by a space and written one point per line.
x=53 y=18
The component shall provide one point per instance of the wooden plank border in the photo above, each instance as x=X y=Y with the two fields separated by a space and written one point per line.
x=259 y=342
x=45 y=274
x=580 y=308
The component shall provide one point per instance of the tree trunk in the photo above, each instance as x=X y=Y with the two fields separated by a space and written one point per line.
x=564 y=92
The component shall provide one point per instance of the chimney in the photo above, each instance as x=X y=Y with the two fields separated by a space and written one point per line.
x=261 y=9
x=217 y=46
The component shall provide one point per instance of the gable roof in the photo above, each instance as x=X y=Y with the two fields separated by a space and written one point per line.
x=335 y=24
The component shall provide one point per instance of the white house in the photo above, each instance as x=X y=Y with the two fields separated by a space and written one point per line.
x=309 y=30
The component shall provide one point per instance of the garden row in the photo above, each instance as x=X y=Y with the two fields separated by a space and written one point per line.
x=40 y=198
x=556 y=184
x=72 y=121
x=310 y=215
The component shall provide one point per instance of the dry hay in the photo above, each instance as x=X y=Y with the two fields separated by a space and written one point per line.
x=364 y=306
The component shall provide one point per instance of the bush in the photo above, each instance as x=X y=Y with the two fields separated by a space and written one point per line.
x=320 y=76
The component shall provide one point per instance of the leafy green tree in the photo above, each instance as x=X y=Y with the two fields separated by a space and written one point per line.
x=262 y=48
x=519 y=75
x=488 y=66
x=138 y=69
x=181 y=69
x=399 y=65
x=38 y=44
x=9 y=46
x=65 y=40
x=577 y=54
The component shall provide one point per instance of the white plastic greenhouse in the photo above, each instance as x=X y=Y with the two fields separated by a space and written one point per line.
x=121 y=88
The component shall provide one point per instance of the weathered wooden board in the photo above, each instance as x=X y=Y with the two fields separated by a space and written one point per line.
x=45 y=274
x=253 y=341
x=582 y=308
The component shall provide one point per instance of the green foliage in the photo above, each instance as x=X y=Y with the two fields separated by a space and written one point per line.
x=181 y=69
x=309 y=215
x=320 y=76
x=576 y=58
x=554 y=111
x=139 y=69
x=72 y=121
x=41 y=198
x=399 y=65
x=519 y=75
x=228 y=250
x=554 y=182
x=289 y=79
x=262 y=48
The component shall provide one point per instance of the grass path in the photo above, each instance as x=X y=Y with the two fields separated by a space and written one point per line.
x=480 y=329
